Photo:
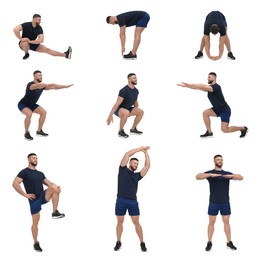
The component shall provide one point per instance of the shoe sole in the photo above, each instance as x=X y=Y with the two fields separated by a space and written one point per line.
x=130 y=58
x=231 y=248
x=70 y=52
x=199 y=58
x=203 y=137
x=39 y=251
x=123 y=136
x=58 y=217
x=135 y=133
x=42 y=135
x=28 y=139
x=230 y=58
x=244 y=135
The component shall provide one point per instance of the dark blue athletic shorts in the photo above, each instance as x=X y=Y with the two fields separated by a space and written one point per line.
x=129 y=109
x=124 y=204
x=224 y=209
x=36 y=205
x=143 y=21
x=21 y=106
x=224 y=115
x=33 y=47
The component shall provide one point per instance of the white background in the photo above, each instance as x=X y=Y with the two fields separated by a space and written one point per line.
x=82 y=153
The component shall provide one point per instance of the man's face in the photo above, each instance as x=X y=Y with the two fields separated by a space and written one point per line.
x=218 y=162
x=133 y=80
x=33 y=160
x=211 y=79
x=37 y=21
x=133 y=165
x=38 y=77
x=113 y=20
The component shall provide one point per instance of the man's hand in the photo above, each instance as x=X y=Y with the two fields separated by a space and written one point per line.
x=213 y=175
x=30 y=196
x=228 y=176
x=109 y=120
x=145 y=148
x=25 y=40
x=183 y=84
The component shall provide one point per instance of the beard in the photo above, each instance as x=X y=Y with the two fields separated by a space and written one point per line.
x=210 y=81
x=134 y=82
x=132 y=168
x=219 y=165
x=33 y=164
x=39 y=80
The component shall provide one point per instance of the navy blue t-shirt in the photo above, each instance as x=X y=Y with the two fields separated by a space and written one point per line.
x=129 y=95
x=31 y=96
x=219 y=187
x=215 y=17
x=31 y=32
x=217 y=99
x=129 y=18
x=32 y=181
x=127 y=183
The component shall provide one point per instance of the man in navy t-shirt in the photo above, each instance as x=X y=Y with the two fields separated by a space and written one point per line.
x=215 y=23
x=139 y=19
x=126 y=193
x=32 y=38
x=219 y=198
x=127 y=105
x=28 y=104
x=220 y=108
x=33 y=181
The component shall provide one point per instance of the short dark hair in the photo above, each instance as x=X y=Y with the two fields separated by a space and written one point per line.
x=217 y=155
x=214 y=28
x=31 y=154
x=36 y=16
x=213 y=74
x=130 y=75
x=108 y=19
x=134 y=159
x=37 y=71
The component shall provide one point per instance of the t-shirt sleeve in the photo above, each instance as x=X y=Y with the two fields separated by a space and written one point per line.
x=222 y=31
x=139 y=176
x=43 y=176
x=21 y=174
x=121 y=20
x=122 y=93
x=40 y=30
x=206 y=29
x=215 y=88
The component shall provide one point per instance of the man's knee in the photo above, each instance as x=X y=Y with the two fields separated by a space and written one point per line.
x=124 y=113
x=140 y=112
x=224 y=129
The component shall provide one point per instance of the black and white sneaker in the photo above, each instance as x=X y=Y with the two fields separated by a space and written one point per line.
x=207 y=134
x=57 y=214
x=135 y=132
x=231 y=246
x=122 y=134
x=28 y=137
x=199 y=55
x=130 y=56
x=68 y=53
x=243 y=132
x=231 y=56
x=209 y=246
x=143 y=247
x=41 y=133
x=117 y=246
x=37 y=247
x=26 y=56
